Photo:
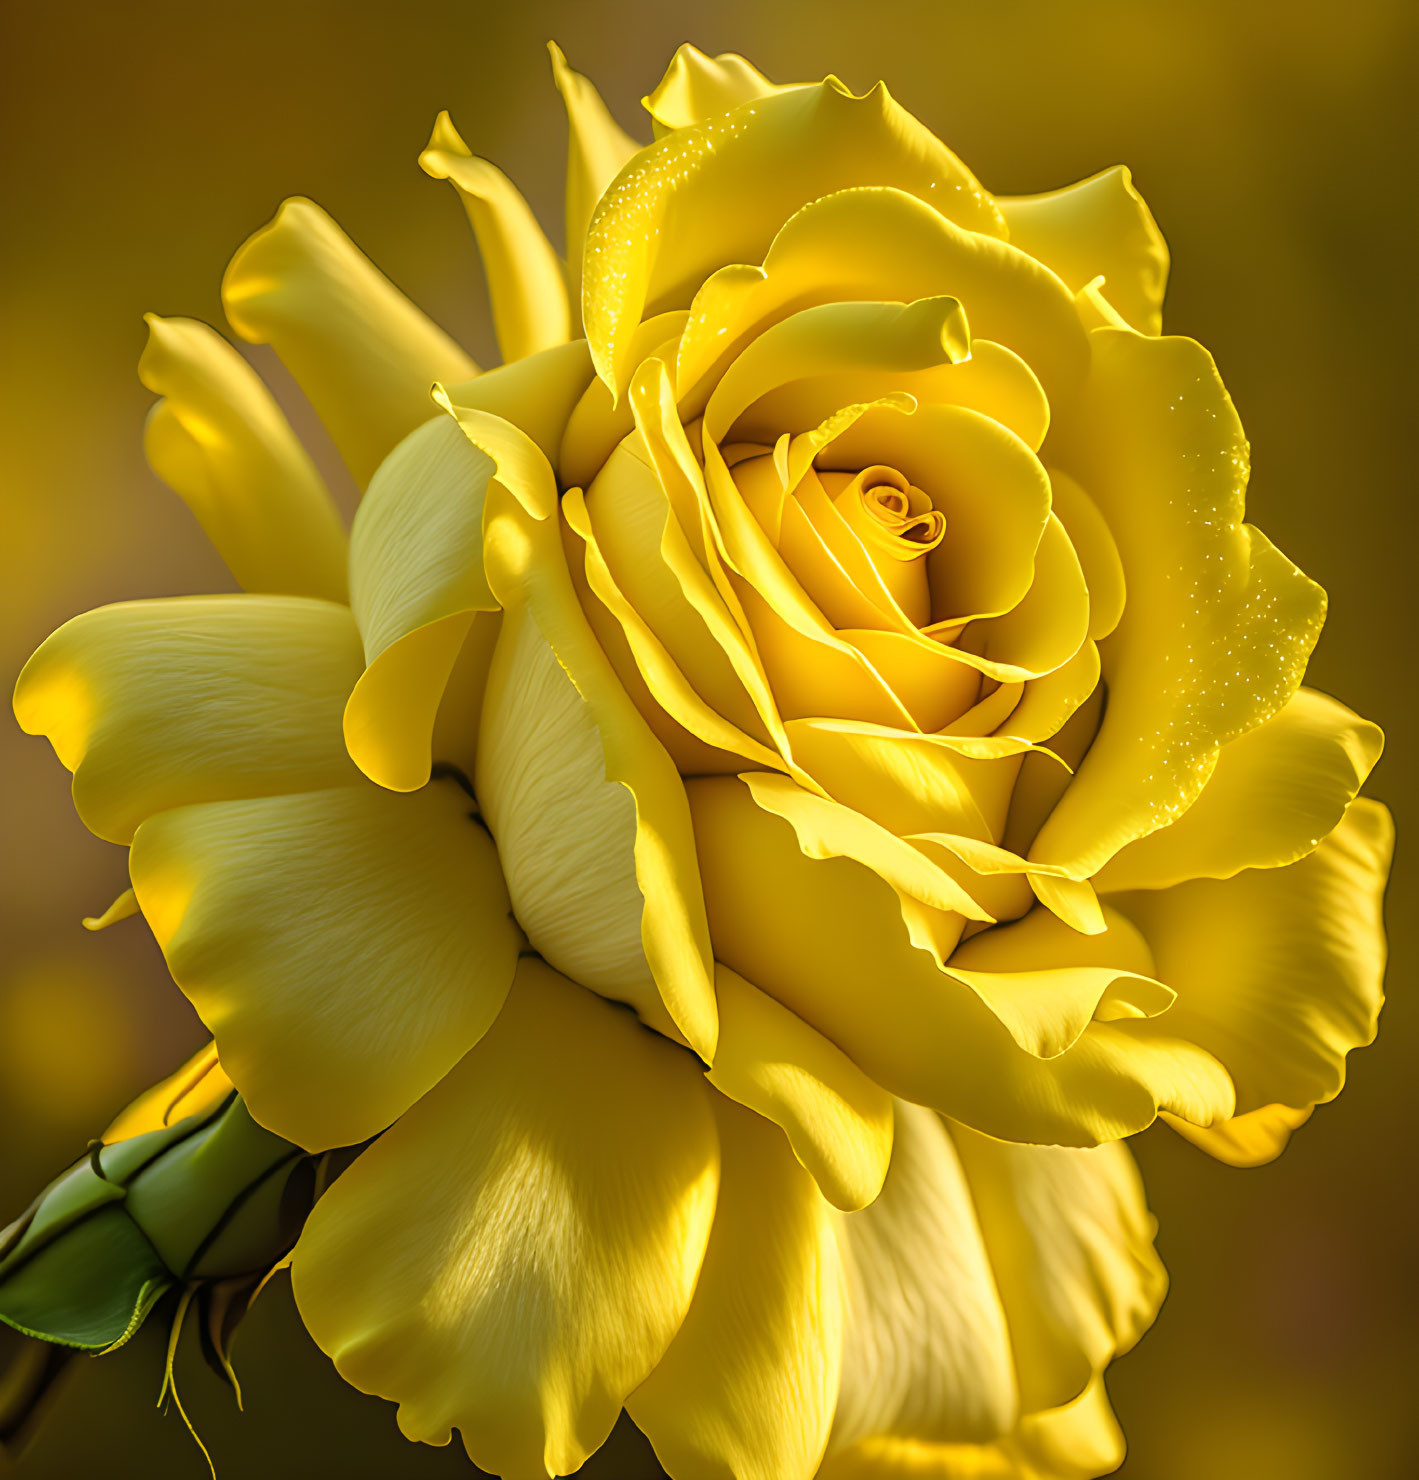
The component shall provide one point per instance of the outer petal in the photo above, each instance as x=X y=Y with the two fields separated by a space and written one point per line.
x=718 y=192
x=927 y=1355
x=514 y=1256
x=1279 y=972
x=1098 y=227
x=1071 y=1242
x=362 y=352
x=1218 y=625
x=416 y=576
x=567 y=835
x=153 y=704
x=748 y=1386
x=220 y=441
x=826 y=939
x=1080 y=1441
x=1046 y=981
x=1277 y=791
x=696 y=86
x=416 y=558
x=1249 y=1140
x=597 y=147
x=560 y=740
x=525 y=284
x=837 y=1120
x=345 y=948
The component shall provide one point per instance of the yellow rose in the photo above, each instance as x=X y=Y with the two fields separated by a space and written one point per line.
x=848 y=653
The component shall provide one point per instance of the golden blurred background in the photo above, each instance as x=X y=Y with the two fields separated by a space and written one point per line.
x=143 y=142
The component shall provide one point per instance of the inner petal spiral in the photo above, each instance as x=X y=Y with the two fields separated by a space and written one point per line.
x=898 y=527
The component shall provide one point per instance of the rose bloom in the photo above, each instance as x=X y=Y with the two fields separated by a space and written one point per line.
x=784 y=775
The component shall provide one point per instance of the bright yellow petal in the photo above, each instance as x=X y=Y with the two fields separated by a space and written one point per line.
x=1218 y=625
x=416 y=581
x=597 y=147
x=1046 y=981
x=837 y=1120
x=525 y=283
x=198 y=1087
x=513 y=1257
x=1277 y=791
x=1071 y=1242
x=1098 y=554
x=154 y=704
x=563 y=743
x=826 y=829
x=1249 y=1140
x=537 y=395
x=1099 y=226
x=749 y=1384
x=719 y=191
x=926 y=1352
x=810 y=933
x=219 y=440
x=1279 y=972
x=695 y=86
x=626 y=522
x=600 y=423
x=831 y=251
x=1080 y=1441
x=364 y=355
x=345 y=948
x=837 y=337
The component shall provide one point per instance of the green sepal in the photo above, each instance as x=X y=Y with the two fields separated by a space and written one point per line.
x=91 y=1289
x=187 y=1199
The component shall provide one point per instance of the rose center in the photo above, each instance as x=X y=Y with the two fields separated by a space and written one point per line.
x=898 y=528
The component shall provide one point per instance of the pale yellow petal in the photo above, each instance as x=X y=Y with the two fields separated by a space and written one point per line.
x=837 y=1120
x=525 y=283
x=416 y=582
x=926 y=1351
x=546 y=764
x=364 y=355
x=566 y=834
x=513 y=1257
x=748 y=1386
x=1071 y=1243
x=154 y=704
x=597 y=147
x=219 y=440
x=345 y=948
